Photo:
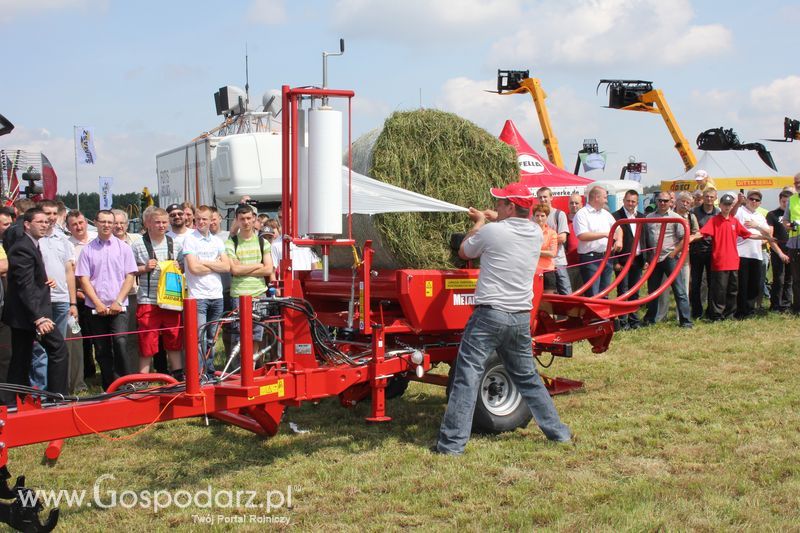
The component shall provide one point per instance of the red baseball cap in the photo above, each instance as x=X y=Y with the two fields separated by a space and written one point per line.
x=516 y=193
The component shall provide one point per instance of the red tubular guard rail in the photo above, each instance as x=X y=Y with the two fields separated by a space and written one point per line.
x=621 y=301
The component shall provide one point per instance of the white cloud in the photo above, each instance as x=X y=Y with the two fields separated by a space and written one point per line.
x=467 y=98
x=12 y=9
x=542 y=32
x=724 y=105
x=714 y=97
x=764 y=113
x=780 y=96
x=413 y=21
x=589 y=32
x=368 y=108
x=698 y=42
x=267 y=12
x=572 y=118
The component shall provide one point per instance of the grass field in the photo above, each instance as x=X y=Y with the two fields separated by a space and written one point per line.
x=676 y=430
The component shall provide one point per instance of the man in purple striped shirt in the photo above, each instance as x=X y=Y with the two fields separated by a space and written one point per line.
x=106 y=270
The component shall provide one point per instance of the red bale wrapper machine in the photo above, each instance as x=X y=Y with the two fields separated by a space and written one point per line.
x=353 y=333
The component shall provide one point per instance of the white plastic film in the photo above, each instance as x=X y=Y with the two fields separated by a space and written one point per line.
x=302 y=171
x=324 y=172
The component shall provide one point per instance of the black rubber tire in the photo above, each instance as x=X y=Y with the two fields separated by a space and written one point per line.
x=396 y=387
x=500 y=407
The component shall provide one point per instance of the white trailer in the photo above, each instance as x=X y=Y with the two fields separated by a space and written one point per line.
x=220 y=170
x=184 y=173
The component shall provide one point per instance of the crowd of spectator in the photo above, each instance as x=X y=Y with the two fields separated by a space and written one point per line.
x=79 y=296
x=733 y=242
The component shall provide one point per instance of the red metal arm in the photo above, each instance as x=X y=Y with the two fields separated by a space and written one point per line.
x=621 y=301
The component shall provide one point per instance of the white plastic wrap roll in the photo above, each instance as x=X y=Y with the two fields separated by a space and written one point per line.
x=302 y=171
x=324 y=172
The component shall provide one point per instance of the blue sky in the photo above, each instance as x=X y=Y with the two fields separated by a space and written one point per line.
x=143 y=74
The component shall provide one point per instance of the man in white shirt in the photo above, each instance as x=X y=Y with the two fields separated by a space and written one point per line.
x=205 y=259
x=303 y=257
x=81 y=358
x=592 y=225
x=750 y=255
x=216 y=229
x=630 y=210
x=59 y=263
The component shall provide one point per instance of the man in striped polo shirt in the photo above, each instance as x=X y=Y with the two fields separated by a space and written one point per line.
x=154 y=322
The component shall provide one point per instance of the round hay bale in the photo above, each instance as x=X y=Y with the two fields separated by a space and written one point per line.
x=434 y=153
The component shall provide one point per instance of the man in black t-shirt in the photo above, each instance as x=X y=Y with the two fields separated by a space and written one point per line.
x=700 y=254
x=781 y=294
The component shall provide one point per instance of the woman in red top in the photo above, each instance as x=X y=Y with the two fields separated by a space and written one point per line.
x=549 y=247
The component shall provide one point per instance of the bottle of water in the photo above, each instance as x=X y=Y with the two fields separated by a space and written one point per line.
x=73 y=324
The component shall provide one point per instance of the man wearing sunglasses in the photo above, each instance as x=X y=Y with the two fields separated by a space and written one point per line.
x=667 y=261
x=750 y=255
x=177 y=223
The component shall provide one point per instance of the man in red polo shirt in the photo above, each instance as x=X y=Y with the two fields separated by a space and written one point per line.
x=722 y=230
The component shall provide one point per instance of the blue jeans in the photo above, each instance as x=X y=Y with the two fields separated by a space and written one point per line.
x=663 y=270
x=590 y=263
x=563 y=285
x=631 y=278
x=509 y=334
x=258 y=331
x=208 y=311
x=38 y=373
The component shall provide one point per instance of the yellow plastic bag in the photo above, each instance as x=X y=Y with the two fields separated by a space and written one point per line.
x=170 y=286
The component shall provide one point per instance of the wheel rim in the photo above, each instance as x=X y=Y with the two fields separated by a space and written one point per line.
x=498 y=393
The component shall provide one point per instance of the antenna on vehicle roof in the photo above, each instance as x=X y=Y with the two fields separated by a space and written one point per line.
x=246 y=78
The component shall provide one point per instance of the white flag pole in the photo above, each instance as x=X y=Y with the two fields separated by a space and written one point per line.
x=75 y=155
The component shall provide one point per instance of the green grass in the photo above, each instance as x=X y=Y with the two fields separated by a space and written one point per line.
x=676 y=430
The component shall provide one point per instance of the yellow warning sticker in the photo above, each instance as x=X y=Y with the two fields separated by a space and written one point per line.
x=429 y=289
x=461 y=283
x=275 y=388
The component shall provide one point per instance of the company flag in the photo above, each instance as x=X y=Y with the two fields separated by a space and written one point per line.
x=11 y=177
x=106 y=185
x=49 y=180
x=84 y=146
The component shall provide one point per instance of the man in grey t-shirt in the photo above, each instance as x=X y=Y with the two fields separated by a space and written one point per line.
x=509 y=251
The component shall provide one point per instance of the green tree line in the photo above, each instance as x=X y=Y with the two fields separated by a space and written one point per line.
x=130 y=202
